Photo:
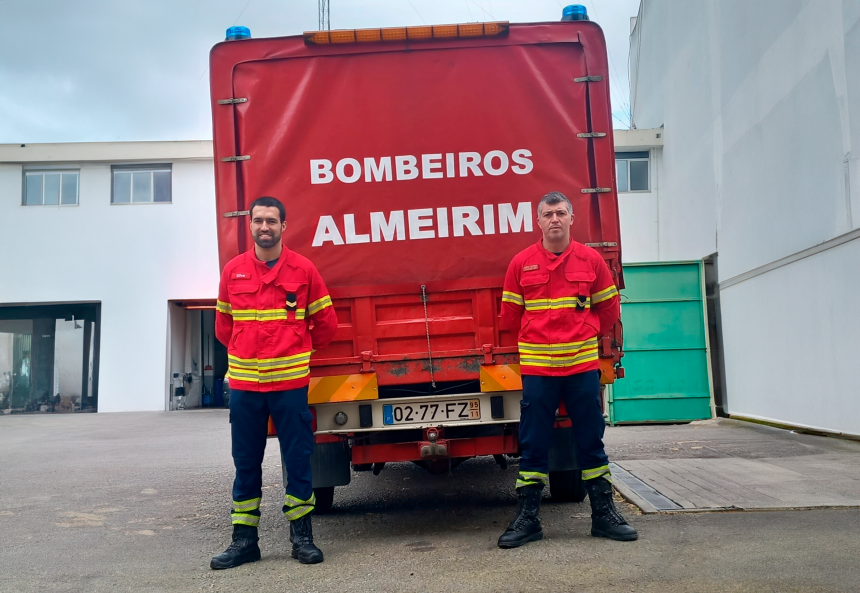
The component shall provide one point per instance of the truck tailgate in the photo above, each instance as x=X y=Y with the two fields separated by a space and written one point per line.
x=410 y=172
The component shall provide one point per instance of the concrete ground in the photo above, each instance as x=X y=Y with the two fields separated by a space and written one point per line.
x=140 y=502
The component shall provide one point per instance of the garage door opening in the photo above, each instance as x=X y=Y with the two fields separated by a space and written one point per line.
x=197 y=362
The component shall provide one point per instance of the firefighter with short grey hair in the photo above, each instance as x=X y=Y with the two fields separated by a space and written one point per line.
x=560 y=298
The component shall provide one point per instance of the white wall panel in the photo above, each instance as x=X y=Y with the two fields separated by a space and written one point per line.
x=791 y=342
x=639 y=227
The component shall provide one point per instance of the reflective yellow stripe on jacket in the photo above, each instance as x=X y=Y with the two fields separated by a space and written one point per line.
x=604 y=295
x=559 y=303
x=319 y=304
x=259 y=314
x=269 y=370
x=558 y=355
x=513 y=298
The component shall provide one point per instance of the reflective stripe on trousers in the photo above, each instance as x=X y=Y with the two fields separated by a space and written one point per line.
x=295 y=508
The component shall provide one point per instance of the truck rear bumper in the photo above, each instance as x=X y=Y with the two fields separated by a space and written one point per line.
x=495 y=408
x=417 y=450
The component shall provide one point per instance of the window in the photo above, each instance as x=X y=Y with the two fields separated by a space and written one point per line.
x=631 y=171
x=141 y=184
x=51 y=188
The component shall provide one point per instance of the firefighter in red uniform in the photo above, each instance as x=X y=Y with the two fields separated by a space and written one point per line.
x=267 y=298
x=559 y=296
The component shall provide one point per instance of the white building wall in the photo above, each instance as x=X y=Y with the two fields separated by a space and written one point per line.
x=131 y=258
x=639 y=227
x=639 y=212
x=760 y=103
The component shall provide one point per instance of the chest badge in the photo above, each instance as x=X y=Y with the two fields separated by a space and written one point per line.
x=292 y=302
x=531 y=268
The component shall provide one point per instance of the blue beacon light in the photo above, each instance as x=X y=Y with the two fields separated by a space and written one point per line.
x=574 y=12
x=238 y=33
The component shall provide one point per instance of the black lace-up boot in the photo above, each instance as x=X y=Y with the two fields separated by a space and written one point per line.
x=302 y=538
x=526 y=525
x=605 y=520
x=242 y=549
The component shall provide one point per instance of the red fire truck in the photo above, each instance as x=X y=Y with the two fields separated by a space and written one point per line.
x=410 y=161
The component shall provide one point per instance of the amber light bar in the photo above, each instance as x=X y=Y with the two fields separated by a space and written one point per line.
x=422 y=33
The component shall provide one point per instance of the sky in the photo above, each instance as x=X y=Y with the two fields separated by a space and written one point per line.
x=124 y=70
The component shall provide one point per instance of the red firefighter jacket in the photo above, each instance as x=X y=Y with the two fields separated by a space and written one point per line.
x=559 y=305
x=263 y=317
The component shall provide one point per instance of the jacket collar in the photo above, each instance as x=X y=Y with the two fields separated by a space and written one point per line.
x=267 y=274
x=557 y=260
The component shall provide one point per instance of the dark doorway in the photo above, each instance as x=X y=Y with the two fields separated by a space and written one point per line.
x=49 y=357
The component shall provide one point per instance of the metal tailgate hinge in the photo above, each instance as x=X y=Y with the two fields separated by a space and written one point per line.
x=366 y=359
x=233 y=159
x=596 y=190
x=588 y=79
x=232 y=101
x=236 y=213
x=591 y=135
x=488 y=353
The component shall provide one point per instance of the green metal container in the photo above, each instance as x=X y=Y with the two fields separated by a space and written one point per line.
x=666 y=361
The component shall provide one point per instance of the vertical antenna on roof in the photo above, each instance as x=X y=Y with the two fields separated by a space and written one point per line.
x=325 y=15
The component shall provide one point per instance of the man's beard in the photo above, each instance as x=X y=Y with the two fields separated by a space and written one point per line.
x=267 y=242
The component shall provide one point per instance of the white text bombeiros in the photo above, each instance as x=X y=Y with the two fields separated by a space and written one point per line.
x=425 y=166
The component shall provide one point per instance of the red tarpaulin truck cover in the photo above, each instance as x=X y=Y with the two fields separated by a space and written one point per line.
x=404 y=164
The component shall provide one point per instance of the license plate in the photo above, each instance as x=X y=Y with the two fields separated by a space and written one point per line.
x=417 y=413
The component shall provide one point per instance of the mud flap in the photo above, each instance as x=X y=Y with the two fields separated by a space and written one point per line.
x=330 y=465
x=562 y=452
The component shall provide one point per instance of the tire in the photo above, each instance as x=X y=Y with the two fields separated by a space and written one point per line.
x=567 y=486
x=325 y=498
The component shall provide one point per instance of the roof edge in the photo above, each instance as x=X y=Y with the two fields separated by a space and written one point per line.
x=631 y=139
x=83 y=152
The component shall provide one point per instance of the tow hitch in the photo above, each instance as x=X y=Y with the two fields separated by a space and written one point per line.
x=432 y=446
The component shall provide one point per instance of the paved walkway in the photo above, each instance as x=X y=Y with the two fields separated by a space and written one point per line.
x=727 y=464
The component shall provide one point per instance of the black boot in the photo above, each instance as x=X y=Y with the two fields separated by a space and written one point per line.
x=526 y=525
x=302 y=537
x=605 y=520
x=242 y=549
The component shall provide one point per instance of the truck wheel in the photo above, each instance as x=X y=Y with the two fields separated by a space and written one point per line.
x=567 y=486
x=325 y=498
